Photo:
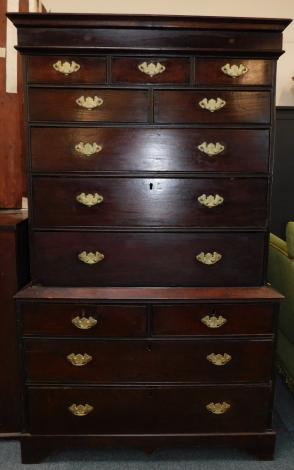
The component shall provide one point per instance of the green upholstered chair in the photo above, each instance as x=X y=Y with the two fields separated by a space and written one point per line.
x=281 y=277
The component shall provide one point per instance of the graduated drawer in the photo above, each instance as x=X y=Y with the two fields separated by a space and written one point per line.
x=213 y=319
x=66 y=69
x=115 y=361
x=233 y=72
x=148 y=259
x=84 y=320
x=160 y=410
x=160 y=70
x=240 y=107
x=164 y=202
x=123 y=149
x=47 y=104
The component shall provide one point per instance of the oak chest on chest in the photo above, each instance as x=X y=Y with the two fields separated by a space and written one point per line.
x=148 y=322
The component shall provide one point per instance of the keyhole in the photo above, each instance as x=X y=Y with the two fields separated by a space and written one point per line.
x=151 y=186
x=150 y=394
x=149 y=347
x=213 y=313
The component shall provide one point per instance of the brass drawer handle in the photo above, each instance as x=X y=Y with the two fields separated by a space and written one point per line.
x=89 y=103
x=89 y=200
x=151 y=69
x=212 y=105
x=219 y=359
x=80 y=410
x=84 y=323
x=211 y=149
x=88 y=149
x=66 y=68
x=234 y=71
x=213 y=322
x=218 y=408
x=90 y=258
x=79 y=359
x=209 y=258
x=210 y=201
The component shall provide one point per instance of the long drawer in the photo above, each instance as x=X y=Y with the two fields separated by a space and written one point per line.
x=161 y=202
x=84 y=320
x=160 y=410
x=130 y=149
x=47 y=104
x=156 y=259
x=231 y=106
x=136 y=361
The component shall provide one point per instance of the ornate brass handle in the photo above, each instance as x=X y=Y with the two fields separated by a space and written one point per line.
x=219 y=359
x=234 y=71
x=210 y=201
x=89 y=200
x=66 y=68
x=90 y=258
x=212 y=105
x=213 y=322
x=209 y=258
x=211 y=149
x=84 y=323
x=151 y=69
x=80 y=410
x=88 y=149
x=89 y=103
x=79 y=359
x=218 y=408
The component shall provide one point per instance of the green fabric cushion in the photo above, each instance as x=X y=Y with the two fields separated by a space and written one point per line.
x=286 y=353
x=281 y=277
x=278 y=242
x=290 y=238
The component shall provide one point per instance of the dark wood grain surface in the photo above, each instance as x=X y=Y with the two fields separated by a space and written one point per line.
x=148 y=361
x=151 y=202
x=160 y=410
x=149 y=149
x=148 y=259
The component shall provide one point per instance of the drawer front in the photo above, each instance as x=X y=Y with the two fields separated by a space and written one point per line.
x=148 y=259
x=239 y=107
x=213 y=319
x=115 y=361
x=122 y=149
x=152 y=71
x=84 y=320
x=165 y=410
x=233 y=72
x=61 y=105
x=66 y=69
x=151 y=202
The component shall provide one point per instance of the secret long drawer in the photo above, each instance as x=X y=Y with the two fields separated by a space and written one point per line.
x=123 y=259
x=148 y=410
x=152 y=202
x=115 y=361
x=210 y=107
x=129 y=149
x=88 y=105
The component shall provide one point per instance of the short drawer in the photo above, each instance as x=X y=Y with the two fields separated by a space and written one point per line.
x=136 y=361
x=160 y=70
x=124 y=149
x=87 y=105
x=84 y=320
x=213 y=319
x=233 y=72
x=66 y=69
x=160 y=410
x=164 y=202
x=231 y=107
x=147 y=259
